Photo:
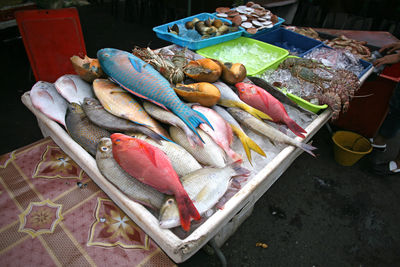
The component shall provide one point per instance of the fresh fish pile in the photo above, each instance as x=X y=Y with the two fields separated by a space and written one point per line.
x=194 y=162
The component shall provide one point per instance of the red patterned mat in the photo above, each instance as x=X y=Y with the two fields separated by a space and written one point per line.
x=52 y=214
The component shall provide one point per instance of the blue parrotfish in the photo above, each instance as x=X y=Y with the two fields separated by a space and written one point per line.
x=142 y=80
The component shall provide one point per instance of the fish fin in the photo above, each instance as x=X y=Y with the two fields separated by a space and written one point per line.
x=135 y=64
x=152 y=134
x=239 y=170
x=202 y=194
x=247 y=143
x=255 y=112
x=308 y=148
x=187 y=210
x=295 y=128
x=149 y=153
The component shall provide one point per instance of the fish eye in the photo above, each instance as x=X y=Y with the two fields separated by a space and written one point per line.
x=104 y=148
x=117 y=141
x=170 y=201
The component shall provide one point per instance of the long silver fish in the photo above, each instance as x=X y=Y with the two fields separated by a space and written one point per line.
x=230 y=99
x=168 y=117
x=130 y=186
x=247 y=142
x=205 y=187
x=264 y=129
x=82 y=130
x=182 y=161
x=104 y=119
x=210 y=154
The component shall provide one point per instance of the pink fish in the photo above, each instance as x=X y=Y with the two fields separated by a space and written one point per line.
x=260 y=99
x=151 y=166
x=45 y=98
x=222 y=133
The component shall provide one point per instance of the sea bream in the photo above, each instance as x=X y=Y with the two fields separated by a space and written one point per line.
x=247 y=142
x=45 y=98
x=104 y=119
x=151 y=166
x=130 y=186
x=142 y=80
x=264 y=129
x=205 y=187
x=120 y=103
x=73 y=88
x=230 y=99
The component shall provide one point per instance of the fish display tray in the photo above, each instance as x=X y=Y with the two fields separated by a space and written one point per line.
x=162 y=33
x=366 y=65
x=287 y=39
x=263 y=31
x=220 y=223
x=251 y=71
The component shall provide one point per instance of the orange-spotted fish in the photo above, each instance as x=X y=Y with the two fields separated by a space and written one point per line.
x=142 y=80
x=120 y=103
x=151 y=166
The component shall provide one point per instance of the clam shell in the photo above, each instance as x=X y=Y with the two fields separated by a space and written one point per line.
x=252 y=30
x=222 y=9
x=244 y=17
x=237 y=20
x=222 y=15
x=232 y=13
x=257 y=23
x=262 y=19
x=249 y=4
x=247 y=25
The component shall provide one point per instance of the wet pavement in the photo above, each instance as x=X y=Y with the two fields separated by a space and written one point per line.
x=318 y=213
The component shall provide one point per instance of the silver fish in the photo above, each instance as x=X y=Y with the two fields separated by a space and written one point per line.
x=210 y=154
x=104 y=119
x=264 y=129
x=130 y=186
x=205 y=187
x=82 y=130
x=73 y=88
x=168 y=117
x=45 y=98
x=182 y=161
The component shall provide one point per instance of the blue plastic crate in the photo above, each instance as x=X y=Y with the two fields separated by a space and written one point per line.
x=162 y=33
x=289 y=40
x=258 y=33
x=367 y=65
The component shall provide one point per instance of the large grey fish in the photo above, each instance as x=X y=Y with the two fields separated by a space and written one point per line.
x=168 y=117
x=182 y=161
x=104 y=119
x=275 y=92
x=209 y=154
x=130 y=186
x=82 y=130
x=205 y=187
x=264 y=129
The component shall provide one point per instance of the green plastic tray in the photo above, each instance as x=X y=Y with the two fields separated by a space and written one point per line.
x=300 y=101
x=224 y=54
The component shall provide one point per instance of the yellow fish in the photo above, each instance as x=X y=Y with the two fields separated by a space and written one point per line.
x=120 y=103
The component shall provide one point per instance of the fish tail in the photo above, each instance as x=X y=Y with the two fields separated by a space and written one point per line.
x=193 y=139
x=295 y=128
x=307 y=148
x=247 y=143
x=152 y=134
x=194 y=120
x=187 y=210
x=255 y=112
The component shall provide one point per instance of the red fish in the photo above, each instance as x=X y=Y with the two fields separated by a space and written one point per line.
x=260 y=99
x=151 y=166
